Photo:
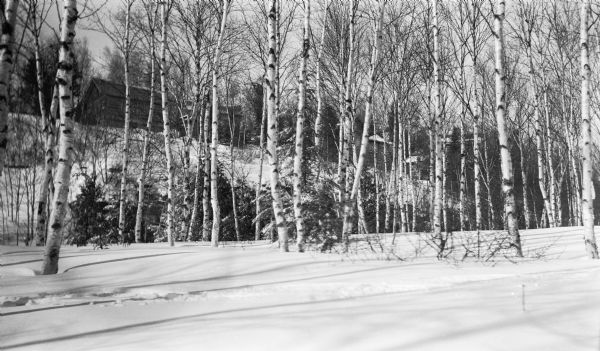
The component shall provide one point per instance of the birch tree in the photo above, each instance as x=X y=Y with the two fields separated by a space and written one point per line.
x=38 y=15
x=6 y=63
x=586 y=137
x=505 y=158
x=216 y=210
x=368 y=107
x=273 y=138
x=64 y=81
x=125 y=152
x=299 y=154
x=437 y=129
x=166 y=123
x=152 y=12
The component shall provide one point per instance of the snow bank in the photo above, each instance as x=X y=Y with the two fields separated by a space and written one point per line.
x=154 y=297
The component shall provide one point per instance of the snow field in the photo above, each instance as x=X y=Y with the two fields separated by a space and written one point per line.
x=152 y=297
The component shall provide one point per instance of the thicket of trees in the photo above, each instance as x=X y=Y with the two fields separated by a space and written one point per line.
x=373 y=116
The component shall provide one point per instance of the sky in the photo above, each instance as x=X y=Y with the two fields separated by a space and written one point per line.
x=97 y=41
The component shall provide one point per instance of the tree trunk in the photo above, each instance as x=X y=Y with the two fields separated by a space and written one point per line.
x=376 y=176
x=199 y=167
x=319 y=93
x=349 y=206
x=437 y=130
x=273 y=137
x=553 y=215
x=257 y=228
x=206 y=184
x=146 y=143
x=231 y=119
x=445 y=186
x=214 y=192
x=6 y=64
x=402 y=183
x=505 y=158
x=125 y=152
x=49 y=119
x=526 y=211
x=166 y=125
x=463 y=175
x=347 y=126
x=298 y=158
x=64 y=80
x=538 y=139
x=586 y=138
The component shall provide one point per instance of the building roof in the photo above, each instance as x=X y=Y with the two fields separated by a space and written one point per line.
x=118 y=90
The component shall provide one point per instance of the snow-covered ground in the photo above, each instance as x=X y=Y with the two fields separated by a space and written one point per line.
x=190 y=297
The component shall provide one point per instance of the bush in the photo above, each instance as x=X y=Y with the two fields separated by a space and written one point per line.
x=88 y=211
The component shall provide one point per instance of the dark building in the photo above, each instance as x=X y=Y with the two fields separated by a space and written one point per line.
x=103 y=104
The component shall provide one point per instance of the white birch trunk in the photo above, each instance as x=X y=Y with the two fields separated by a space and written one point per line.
x=257 y=228
x=166 y=125
x=206 y=205
x=214 y=198
x=346 y=143
x=299 y=154
x=437 y=131
x=199 y=169
x=538 y=139
x=318 y=92
x=6 y=63
x=64 y=80
x=125 y=152
x=586 y=138
x=147 y=133
x=362 y=155
x=47 y=177
x=505 y=158
x=272 y=139
x=463 y=175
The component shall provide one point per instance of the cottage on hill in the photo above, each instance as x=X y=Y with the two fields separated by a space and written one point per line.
x=103 y=104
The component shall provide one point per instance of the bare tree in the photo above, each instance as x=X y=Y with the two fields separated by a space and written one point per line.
x=64 y=80
x=299 y=154
x=586 y=150
x=6 y=63
x=216 y=210
x=506 y=161
x=272 y=139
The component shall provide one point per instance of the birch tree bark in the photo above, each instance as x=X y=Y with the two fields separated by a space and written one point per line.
x=538 y=135
x=6 y=63
x=273 y=137
x=437 y=130
x=346 y=125
x=318 y=92
x=199 y=168
x=526 y=211
x=463 y=175
x=263 y=123
x=586 y=138
x=142 y=178
x=214 y=192
x=49 y=118
x=166 y=124
x=125 y=152
x=206 y=205
x=506 y=161
x=349 y=205
x=48 y=128
x=299 y=154
x=64 y=80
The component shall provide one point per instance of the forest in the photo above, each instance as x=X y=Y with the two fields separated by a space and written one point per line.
x=299 y=175
x=312 y=124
